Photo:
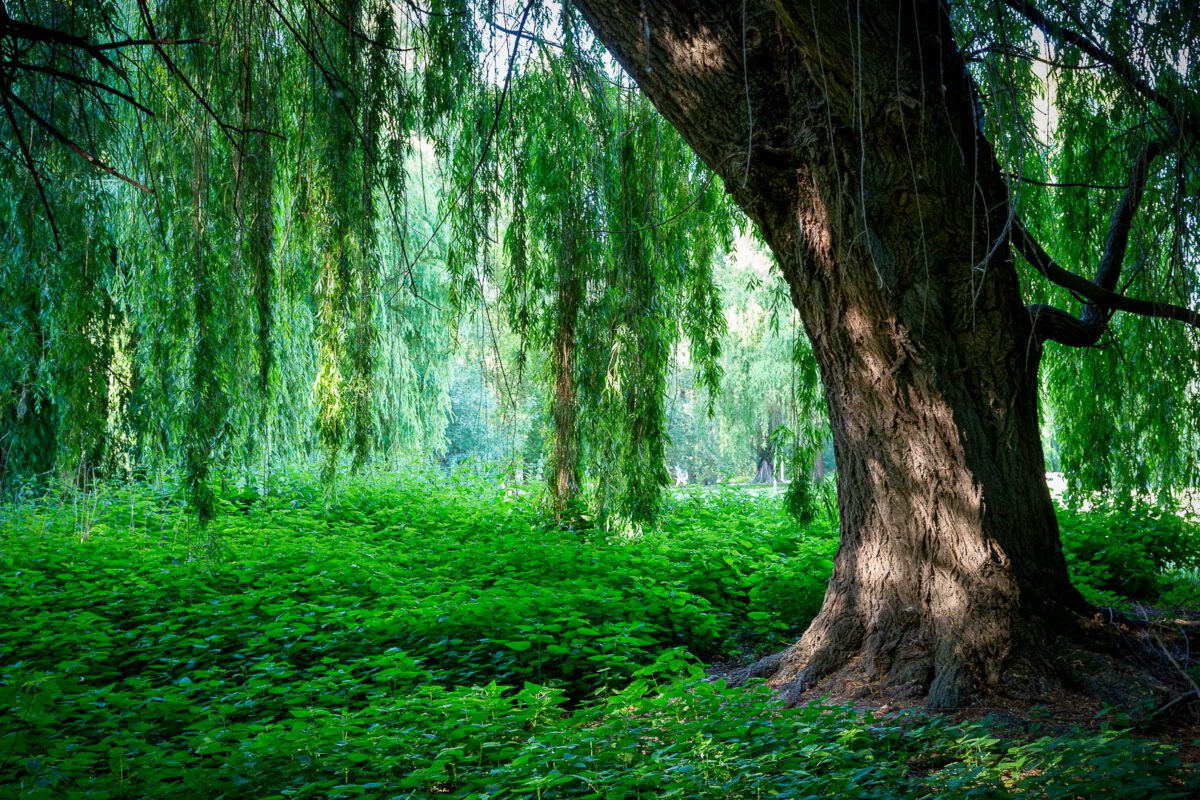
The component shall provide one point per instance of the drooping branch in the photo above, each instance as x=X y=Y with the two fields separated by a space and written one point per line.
x=1186 y=123
x=1099 y=295
x=226 y=128
x=1012 y=176
x=29 y=32
x=356 y=32
x=31 y=165
x=92 y=87
x=69 y=143
x=344 y=96
x=14 y=32
x=490 y=136
x=24 y=31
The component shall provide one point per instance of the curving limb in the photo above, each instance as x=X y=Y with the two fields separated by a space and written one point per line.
x=1099 y=295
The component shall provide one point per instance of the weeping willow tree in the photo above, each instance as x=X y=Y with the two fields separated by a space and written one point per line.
x=611 y=228
x=552 y=247
x=879 y=153
x=267 y=150
x=197 y=194
x=58 y=317
x=971 y=203
x=659 y=275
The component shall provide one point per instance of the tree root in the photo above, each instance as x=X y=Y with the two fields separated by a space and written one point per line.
x=1101 y=662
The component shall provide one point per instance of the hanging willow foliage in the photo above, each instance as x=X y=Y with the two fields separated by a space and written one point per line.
x=213 y=258
x=55 y=274
x=171 y=322
x=273 y=143
x=613 y=229
x=254 y=165
x=1124 y=415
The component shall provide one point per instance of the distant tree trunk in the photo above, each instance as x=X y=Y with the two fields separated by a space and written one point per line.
x=765 y=454
x=818 y=470
x=564 y=459
x=766 y=471
x=848 y=134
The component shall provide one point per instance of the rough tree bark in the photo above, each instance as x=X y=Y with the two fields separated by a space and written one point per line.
x=848 y=132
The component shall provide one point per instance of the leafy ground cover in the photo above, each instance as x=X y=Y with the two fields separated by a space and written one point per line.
x=425 y=639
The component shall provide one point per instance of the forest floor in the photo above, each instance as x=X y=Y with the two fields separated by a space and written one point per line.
x=418 y=638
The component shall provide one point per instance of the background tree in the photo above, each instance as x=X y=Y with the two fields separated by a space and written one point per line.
x=770 y=408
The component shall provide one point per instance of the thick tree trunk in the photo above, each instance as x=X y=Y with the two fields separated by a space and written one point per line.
x=847 y=132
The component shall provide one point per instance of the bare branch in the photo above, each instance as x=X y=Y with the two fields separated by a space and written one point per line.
x=1010 y=176
x=17 y=29
x=149 y=42
x=70 y=144
x=31 y=165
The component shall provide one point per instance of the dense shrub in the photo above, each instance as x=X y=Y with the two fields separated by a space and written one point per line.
x=1141 y=553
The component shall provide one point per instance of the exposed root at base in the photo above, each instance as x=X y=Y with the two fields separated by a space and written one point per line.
x=1106 y=662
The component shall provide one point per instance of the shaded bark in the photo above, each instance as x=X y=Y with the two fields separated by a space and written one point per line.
x=849 y=134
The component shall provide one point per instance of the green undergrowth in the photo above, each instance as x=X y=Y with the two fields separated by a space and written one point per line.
x=1126 y=556
x=424 y=638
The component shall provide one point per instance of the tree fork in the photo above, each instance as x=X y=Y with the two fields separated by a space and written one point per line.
x=850 y=136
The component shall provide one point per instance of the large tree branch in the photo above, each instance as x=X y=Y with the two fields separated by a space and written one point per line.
x=1104 y=298
x=1052 y=324
x=1109 y=271
x=1095 y=296
x=1099 y=295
